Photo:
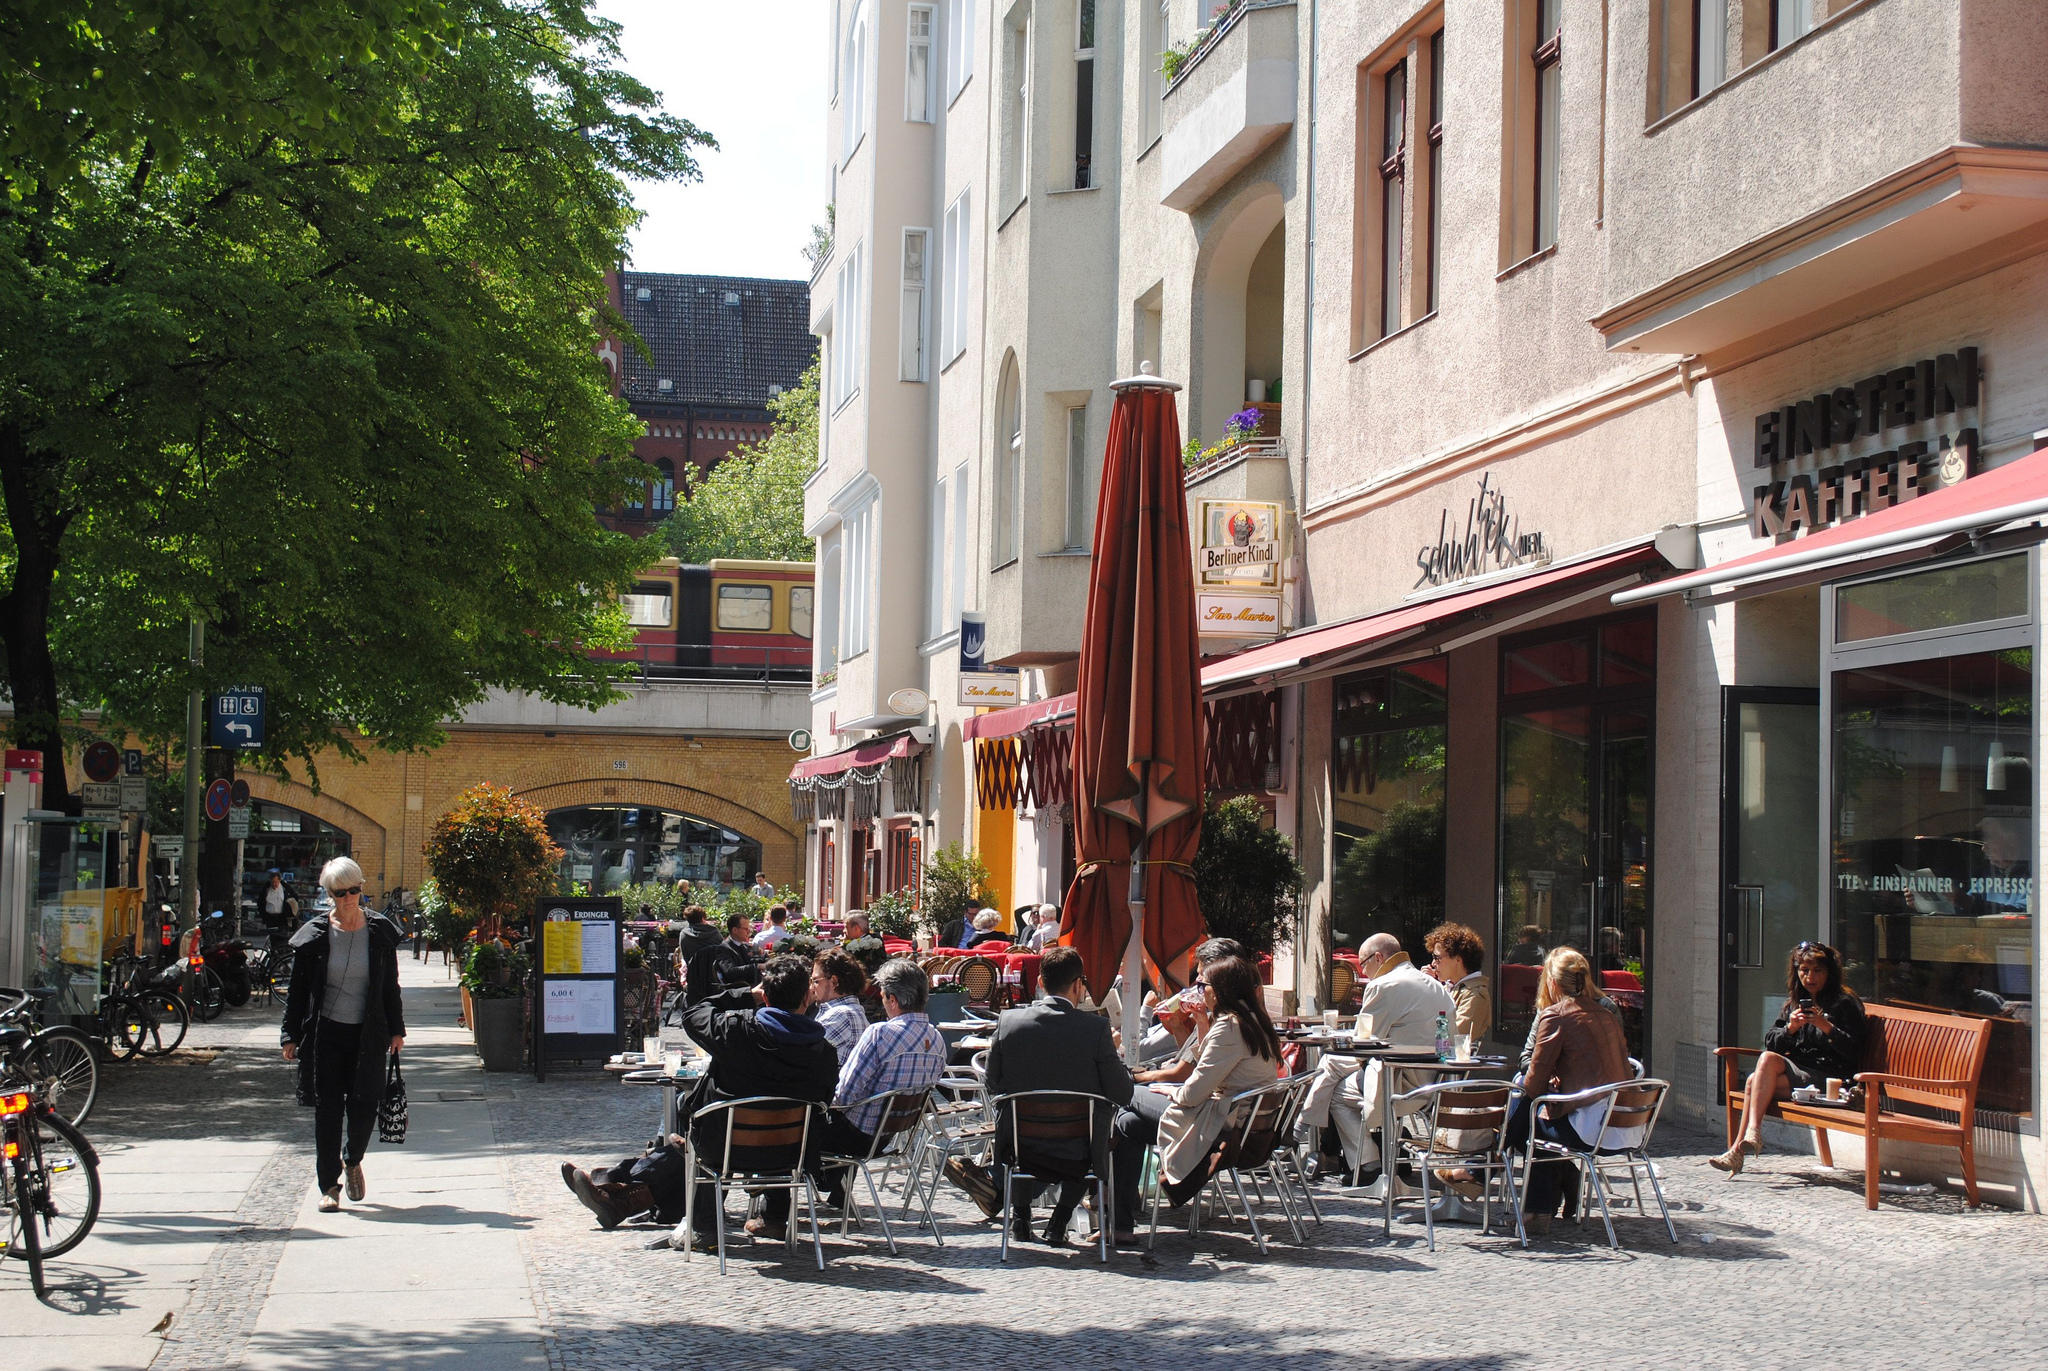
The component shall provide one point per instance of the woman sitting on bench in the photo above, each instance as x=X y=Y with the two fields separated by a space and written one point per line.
x=1819 y=1034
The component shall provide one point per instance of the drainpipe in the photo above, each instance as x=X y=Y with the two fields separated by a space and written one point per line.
x=1307 y=973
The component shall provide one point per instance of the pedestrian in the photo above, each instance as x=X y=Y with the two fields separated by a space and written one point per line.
x=763 y=887
x=342 y=1013
x=273 y=901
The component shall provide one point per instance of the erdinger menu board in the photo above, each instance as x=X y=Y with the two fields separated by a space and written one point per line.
x=576 y=999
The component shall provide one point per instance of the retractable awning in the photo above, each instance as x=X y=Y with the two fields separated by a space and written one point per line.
x=1437 y=624
x=2014 y=493
x=871 y=753
x=1001 y=723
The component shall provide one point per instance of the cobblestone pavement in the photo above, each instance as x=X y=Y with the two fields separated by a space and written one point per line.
x=471 y=1252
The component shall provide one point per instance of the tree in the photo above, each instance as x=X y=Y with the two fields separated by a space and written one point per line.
x=956 y=883
x=1247 y=876
x=752 y=503
x=491 y=855
x=303 y=344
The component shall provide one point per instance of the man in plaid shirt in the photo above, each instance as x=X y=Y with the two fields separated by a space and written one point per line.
x=903 y=1052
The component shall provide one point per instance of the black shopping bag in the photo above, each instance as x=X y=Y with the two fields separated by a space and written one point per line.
x=391 y=1111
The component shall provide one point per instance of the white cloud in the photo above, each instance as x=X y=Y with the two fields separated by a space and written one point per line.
x=751 y=73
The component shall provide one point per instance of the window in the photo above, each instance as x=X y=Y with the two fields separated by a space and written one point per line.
x=1791 y=20
x=959 y=45
x=831 y=592
x=1153 y=17
x=1387 y=747
x=1078 y=484
x=1710 y=45
x=847 y=311
x=1393 y=174
x=1549 y=109
x=662 y=494
x=832 y=53
x=854 y=84
x=956 y=595
x=1688 y=52
x=801 y=602
x=953 y=283
x=918 y=74
x=911 y=332
x=1016 y=111
x=935 y=564
x=1009 y=467
x=858 y=537
x=747 y=609
x=1434 y=229
x=1084 y=92
x=651 y=605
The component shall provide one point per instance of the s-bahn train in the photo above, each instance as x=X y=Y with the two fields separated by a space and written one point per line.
x=731 y=619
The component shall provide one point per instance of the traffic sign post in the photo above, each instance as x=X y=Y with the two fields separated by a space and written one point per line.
x=218 y=795
x=238 y=714
x=102 y=761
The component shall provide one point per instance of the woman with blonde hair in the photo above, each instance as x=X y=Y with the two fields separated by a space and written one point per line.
x=1579 y=1046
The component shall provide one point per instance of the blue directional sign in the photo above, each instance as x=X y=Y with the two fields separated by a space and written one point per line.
x=238 y=718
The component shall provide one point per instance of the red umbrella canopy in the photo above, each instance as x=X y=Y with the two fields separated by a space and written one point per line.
x=1138 y=763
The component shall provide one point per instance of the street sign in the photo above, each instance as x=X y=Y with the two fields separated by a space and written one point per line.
x=239 y=795
x=217 y=796
x=238 y=822
x=238 y=718
x=174 y=848
x=102 y=761
x=131 y=761
x=134 y=793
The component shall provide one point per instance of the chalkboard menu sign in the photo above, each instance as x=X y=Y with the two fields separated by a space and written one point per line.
x=576 y=1007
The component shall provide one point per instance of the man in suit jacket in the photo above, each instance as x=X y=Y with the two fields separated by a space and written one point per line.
x=1399 y=1004
x=1050 y=1045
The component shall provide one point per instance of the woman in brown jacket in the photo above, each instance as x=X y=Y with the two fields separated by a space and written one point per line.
x=1578 y=1046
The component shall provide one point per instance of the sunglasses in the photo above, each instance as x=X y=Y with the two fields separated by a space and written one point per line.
x=344 y=894
x=1817 y=949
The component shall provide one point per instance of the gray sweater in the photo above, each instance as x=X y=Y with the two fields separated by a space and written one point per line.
x=348 y=975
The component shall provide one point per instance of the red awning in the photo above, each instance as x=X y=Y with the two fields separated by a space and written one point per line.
x=870 y=753
x=1320 y=651
x=1001 y=723
x=2014 y=492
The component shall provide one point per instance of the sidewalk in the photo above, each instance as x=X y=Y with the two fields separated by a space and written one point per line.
x=209 y=1217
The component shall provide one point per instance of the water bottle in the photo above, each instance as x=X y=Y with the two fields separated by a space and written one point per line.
x=1443 y=1037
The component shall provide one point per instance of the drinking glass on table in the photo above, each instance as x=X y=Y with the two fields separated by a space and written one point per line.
x=1464 y=1045
x=1329 y=1021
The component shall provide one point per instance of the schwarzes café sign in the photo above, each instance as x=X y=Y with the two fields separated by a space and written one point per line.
x=1826 y=426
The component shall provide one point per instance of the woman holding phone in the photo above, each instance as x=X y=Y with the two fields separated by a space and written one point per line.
x=1819 y=1034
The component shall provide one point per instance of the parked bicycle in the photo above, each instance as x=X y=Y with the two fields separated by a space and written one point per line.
x=141 y=1011
x=58 y=1059
x=50 y=1184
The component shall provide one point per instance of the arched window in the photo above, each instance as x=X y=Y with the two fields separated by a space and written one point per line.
x=664 y=489
x=608 y=847
x=828 y=610
x=1009 y=463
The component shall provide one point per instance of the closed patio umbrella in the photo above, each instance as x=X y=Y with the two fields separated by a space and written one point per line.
x=1138 y=761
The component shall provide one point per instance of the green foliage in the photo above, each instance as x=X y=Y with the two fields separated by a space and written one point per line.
x=445 y=928
x=492 y=972
x=1246 y=875
x=299 y=307
x=1393 y=880
x=491 y=855
x=660 y=897
x=890 y=915
x=752 y=503
x=869 y=952
x=956 y=883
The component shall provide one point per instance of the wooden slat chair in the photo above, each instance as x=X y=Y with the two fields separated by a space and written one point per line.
x=1041 y=1116
x=894 y=1134
x=1911 y=1057
x=766 y=1138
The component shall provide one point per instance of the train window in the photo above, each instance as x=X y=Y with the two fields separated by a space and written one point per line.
x=651 y=605
x=800 y=598
x=750 y=609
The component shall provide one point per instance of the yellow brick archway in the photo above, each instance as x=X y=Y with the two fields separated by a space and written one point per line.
x=366 y=835
x=778 y=841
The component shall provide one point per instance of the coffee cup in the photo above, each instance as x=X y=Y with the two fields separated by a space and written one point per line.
x=1834 y=1087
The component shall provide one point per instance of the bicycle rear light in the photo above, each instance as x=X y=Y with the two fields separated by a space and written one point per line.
x=16 y=1102
x=13 y=1150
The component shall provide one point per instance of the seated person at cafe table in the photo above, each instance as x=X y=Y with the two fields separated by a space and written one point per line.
x=1578 y=1047
x=730 y=964
x=988 y=931
x=903 y=1052
x=1819 y=1034
x=1399 y=1005
x=697 y=936
x=1455 y=955
x=1181 y=1027
x=1238 y=1050
x=777 y=932
x=836 y=983
x=1050 y=1045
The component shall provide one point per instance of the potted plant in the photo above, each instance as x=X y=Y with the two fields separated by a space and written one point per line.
x=1247 y=875
x=491 y=856
x=494 y=978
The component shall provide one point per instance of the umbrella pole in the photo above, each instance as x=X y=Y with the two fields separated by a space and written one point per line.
x=1133 y=994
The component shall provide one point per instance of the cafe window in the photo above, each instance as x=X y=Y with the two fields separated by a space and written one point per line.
x=1932 y=803
x=1387 y=762
x=1576 y=778
x=746 y=609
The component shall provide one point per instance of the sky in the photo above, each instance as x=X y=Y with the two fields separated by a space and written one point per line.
x=753 y=75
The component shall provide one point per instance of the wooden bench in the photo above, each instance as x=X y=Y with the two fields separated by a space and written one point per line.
x=1912 y=1057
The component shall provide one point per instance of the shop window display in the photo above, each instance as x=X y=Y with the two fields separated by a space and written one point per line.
x=1387 y=748
x=608 y=847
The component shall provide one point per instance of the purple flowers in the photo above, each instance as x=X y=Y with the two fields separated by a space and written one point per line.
x=1242 y=423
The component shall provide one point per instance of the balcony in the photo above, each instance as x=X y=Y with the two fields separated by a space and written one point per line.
x=1232 y=97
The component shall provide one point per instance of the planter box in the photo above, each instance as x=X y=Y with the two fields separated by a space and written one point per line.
x=500 y=1033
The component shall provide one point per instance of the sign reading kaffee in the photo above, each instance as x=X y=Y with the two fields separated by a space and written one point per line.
x=1240 y=543
x=1224 y=614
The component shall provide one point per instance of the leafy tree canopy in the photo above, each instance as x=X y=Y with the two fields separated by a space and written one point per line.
x=326 y=378
x=752 y=503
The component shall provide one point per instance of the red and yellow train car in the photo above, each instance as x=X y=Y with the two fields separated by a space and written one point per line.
x=732 y=618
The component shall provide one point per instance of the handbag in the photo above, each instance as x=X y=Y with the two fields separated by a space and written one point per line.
x=391 y=1110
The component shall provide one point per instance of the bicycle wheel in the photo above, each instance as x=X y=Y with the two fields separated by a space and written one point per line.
x=57 y=1181
x=169 y=1017
x=207 y=997
x=65 y=1069
x=23 y=1237
x=126 y=1024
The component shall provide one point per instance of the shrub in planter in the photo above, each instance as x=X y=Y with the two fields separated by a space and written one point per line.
x=956 y=883
x=491 y=856
x=494 y=982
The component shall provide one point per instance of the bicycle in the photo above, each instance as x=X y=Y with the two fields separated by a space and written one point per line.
x=50 y=1185
x=59 y=1059
x=137 y=1015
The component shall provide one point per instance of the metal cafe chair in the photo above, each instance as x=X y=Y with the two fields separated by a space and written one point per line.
x=1246 y=1146
x=765 y=1139
x=905 y=1112
x=958 y=1126
x=1463 y=1124
x=1629 y=1105
x=1042 y=1116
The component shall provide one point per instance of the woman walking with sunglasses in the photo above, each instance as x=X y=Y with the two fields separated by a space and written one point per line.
x=341 y=1015
x=1819 y=1034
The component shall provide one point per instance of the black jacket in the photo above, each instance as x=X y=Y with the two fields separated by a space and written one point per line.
x=696 y=938
x=1818 y=1054
x=1052 y=1045
x=757 y=1051
x=383 y=1014
x=726 y=965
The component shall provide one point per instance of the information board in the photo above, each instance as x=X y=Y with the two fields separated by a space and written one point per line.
x=576 y=1008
